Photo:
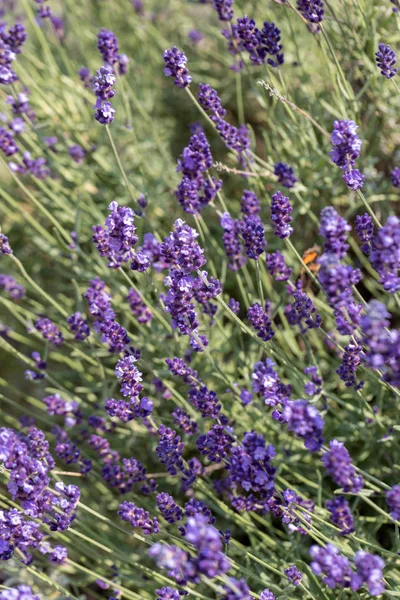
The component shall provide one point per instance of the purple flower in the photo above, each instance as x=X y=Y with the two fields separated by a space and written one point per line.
x=280 y=215
x=234 y=305
x=261 y=322
x=385 y=61
x=267 y=595
x=312 y=10
x=231 y=241
x=365 y=230
x=180 y=249
x=285 y=174
x=170 y=449
x=334 y=230
x=35 y=166
x=235 y=138
x=23 y=592
x=250 y=204
x=353 y=179
x=341 y=514
x=9 y=285
x=395 y=177
x=352 y=358
x=79 y=326
x=113 y=334
x=209 y=559
x=336 y=281
x=77 y=153
x=370 y=570
x=168 y=508
x=105 y=114
x=49 y=331
x=15 y=38
x=117 y=238
x=7 y=142
x=252 y=230
x=210 y=102
x=294 y=575
x=195 y=36
x=138 y=517
x=276 y=266
x=236 y=589
x=178 y=302
x=175 y=66
x=138 y=7
x=333 y=567
x=251 y=472
x=385 y=255
x=216 y=443
x=339 y=465
x=107 y=44
x=205 y=401
x=346 y=144
x=393 y=501
x=99 y=301
x=224 y=9
x=267 y=384
x=167 y=593
x=103 y=83
x=306 y=422
x=302 y=309
x=130 y=376
x=183 y=421
x=139 y=309
x=85 y=77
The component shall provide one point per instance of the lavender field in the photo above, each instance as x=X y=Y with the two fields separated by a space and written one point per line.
x=199 y=299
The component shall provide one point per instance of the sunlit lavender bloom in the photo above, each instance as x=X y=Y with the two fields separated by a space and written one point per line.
x=370 y=570
x=105 y=114
x=36 y=166
x=337 y=281
x=77 y=153
x=285 y=174
x=7 y=143
x=334 y=229
x=113 y=334
x=182 y=250
x=346 y=144
x=236 y=589
x=276 y=266
x=303 y=309
x=270 y=39
x=205 y=401
x=393 y=501
x=49 y=331
x=365 y=230
x=280 y=215
x=216 y=443
x=5 y=247
x=312 y=10
x=306 y=422
x=294 y=575
x=334 y=568
x=99 y=301
x=250 y=204
x=339 y=465
x=267 y=595
x=341 y=514
x=107 y=44
x=253 y=233
x=79 y=326
x=138 y=517
x=210 y=101
x=175 y=66
x=103 y=83
x=261 y=322
x=395 y=177
x=385 y=61
x=235 y=138
x=183 y=421
x=167 y=593
x=267 y=384
x=224 y=9
x=129 y=376
x=231 y=241
x=117 y=238
x=385 y=255
x=9 y=285
x=23 y=592
x=352 y=358
x=354 y=179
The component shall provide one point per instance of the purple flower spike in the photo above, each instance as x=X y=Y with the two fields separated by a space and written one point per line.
x=334 y=230
x=339 y=465
x=385 y=61
x=393 y=501
x=175 y=66
x=261 y=322
x=5 y=247
x=280 y=215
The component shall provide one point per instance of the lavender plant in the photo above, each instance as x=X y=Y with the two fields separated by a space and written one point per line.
x=199 y=326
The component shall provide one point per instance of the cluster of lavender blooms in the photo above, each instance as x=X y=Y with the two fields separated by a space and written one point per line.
x=11 y=42
x=262 y=45
x=29 y=465
x=107 y=44
x=197 y=188
x=346 y=149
